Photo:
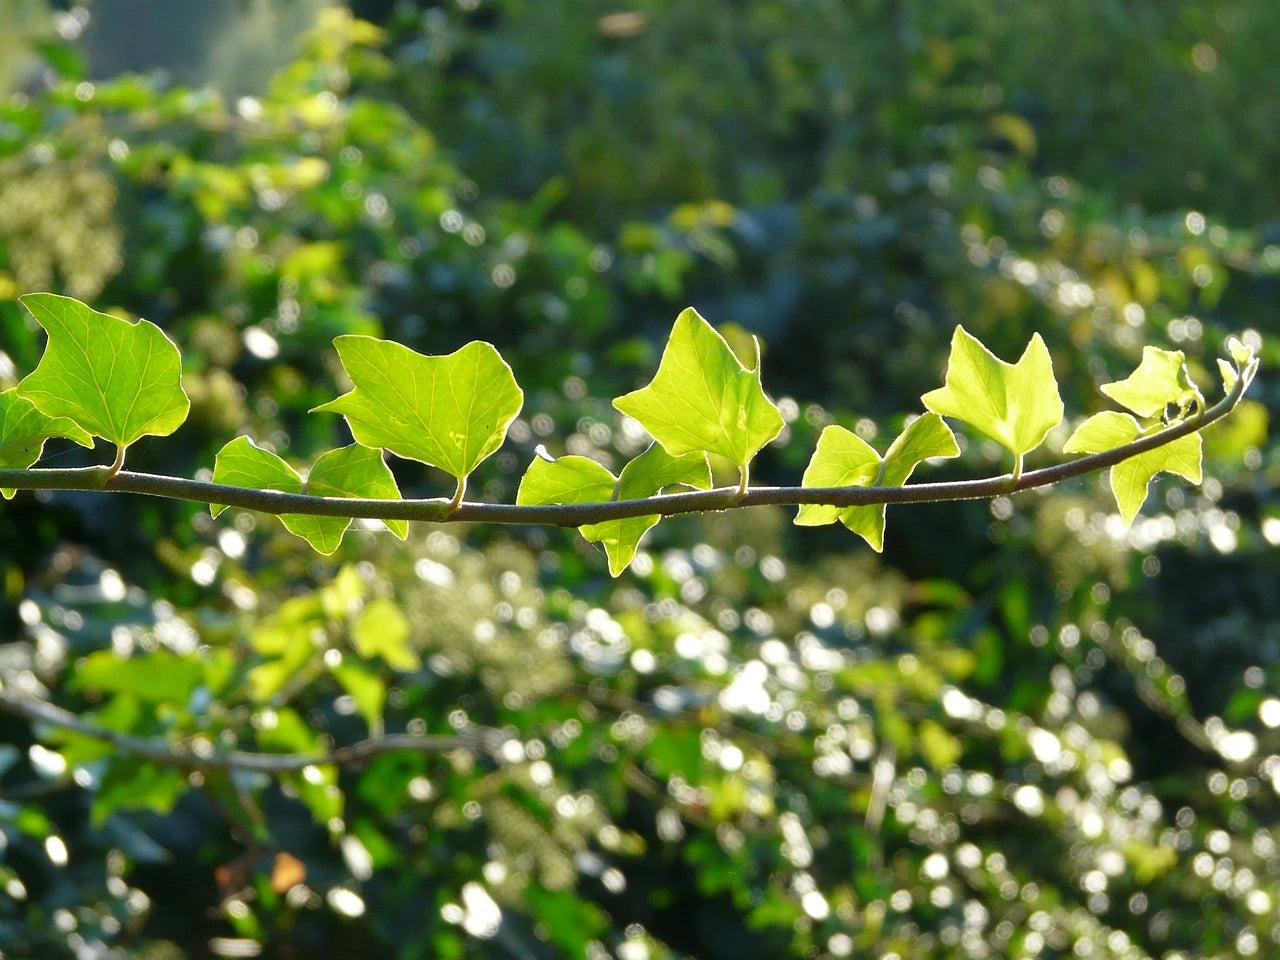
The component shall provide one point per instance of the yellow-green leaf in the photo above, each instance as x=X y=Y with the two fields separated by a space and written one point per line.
x=702 y=399
x=1015 y=404
x=1160 y=380
x=382 y=630
x=24 y=429
x=352 y=471
x=1129 y=478
x=449 y=412
x=114 y=379
x=844 y=459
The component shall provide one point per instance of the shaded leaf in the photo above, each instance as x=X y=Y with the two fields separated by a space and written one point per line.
x=1129 y=478
x=115 y=379
x=703 y=398
x=844 y=459
x=1016 y=404
x=449 y=412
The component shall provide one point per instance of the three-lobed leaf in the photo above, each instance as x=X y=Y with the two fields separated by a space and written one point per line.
x=448 y=411
x=1160 y=381
x=351 y=471
x=575 y=479
x=703 y=399
x=1130 y=478
x=112 y=378
x=1015 y=404
x=24 y=429
x=842 y=459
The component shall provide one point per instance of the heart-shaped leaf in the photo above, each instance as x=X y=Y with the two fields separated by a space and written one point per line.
x=449 y=412
x=1161 y=380
x=352 y=471
x=702 y=399
x=24 y=429
x=112 y=378
x=1015 y=404
x=576 y=479
x=1129 y=478
x=844 y=459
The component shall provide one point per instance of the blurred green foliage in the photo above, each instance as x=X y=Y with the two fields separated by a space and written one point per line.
x=1021 y=731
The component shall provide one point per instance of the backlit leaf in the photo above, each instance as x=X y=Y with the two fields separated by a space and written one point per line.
x=703 y=398
x=1016 y=404
x=574 y=479
x=24 y=429
x=646 y=475
x=1129 y=478
x=351 y=471
x=450 y=412
x=844 y=459
x=115 y=379
x=382 y=630
x=1160 y=380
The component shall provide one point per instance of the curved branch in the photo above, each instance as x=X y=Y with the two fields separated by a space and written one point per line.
x=443 y=510
x=167 y=754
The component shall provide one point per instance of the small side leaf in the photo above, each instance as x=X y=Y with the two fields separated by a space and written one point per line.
x=352 y=471
x=844 y=459
x=576 y=479
x=115 y=379
x=1015 y=404
x=1130 y=478
x=702 y=398
x=24 y=429
x=1160 y=380
x=648 y=474
x=356 y=471
x=449 y=412
x=566 y=480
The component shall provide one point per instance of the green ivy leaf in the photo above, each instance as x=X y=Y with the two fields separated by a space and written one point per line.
x=648 y=474
x=1129 y=478
x=351 y=471
x=1160 y=380
x=449 y=412
x=703 y=398
x=576 y=479
x=844 y=459
x=24 y=429
x=382 y=630
x=114 y=379
x=1015 y=404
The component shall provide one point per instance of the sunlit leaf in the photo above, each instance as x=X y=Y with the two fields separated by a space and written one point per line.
x=114 y=379
x=1129 y=478
x=450 y=412
x=1160 y=380
x=648 y=474
x=382 y=630
x=844 y=459
x=574 y=479
x=1016 y=404
x=351 y=471
x=702 y=397
x=24 y=429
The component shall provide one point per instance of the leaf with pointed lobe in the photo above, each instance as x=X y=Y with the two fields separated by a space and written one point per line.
x=1015 y=404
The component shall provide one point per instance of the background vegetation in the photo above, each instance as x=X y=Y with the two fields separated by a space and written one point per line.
x=1022 y=731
